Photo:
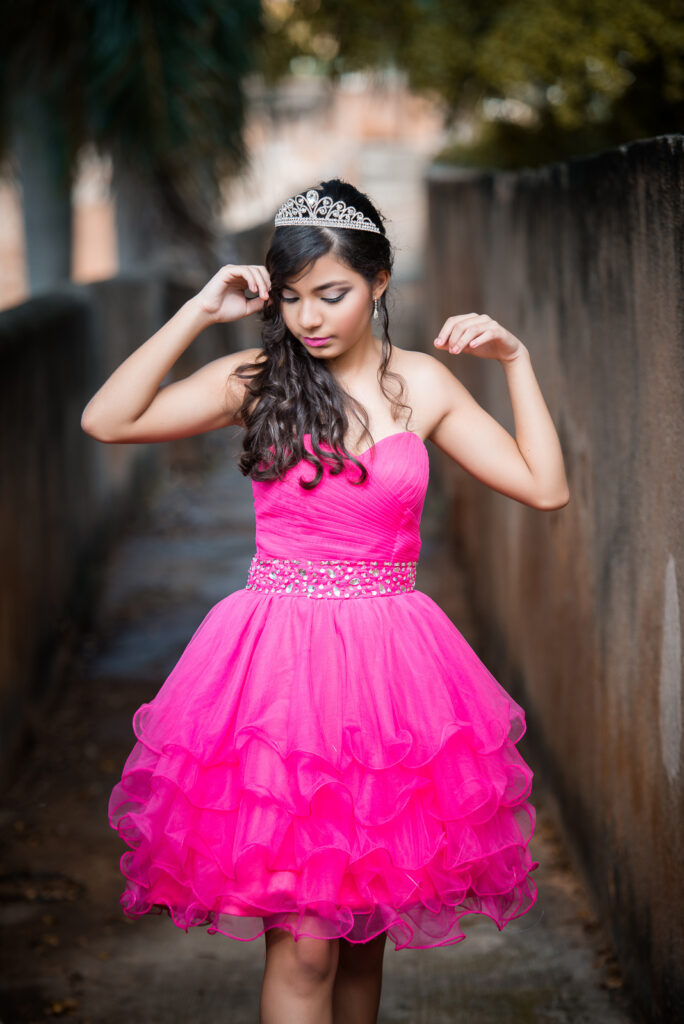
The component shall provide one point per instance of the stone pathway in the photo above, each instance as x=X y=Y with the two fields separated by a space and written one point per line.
x=68 y=952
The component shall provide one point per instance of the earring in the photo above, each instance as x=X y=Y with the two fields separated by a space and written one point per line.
x=376 y=315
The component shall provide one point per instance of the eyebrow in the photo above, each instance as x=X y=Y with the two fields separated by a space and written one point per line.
x=321 y=287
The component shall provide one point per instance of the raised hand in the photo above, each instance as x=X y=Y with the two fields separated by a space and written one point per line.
x=478 y=334
x=223 y=298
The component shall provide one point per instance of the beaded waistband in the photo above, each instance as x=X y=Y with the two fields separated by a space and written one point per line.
x=330 y=577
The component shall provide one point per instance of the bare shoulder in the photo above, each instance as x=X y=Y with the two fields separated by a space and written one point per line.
x=231 y=382
x=434 y=389
x=244 y=355
x=219 y=370
x=217 y=386
x=222 y=370
x=420 y=367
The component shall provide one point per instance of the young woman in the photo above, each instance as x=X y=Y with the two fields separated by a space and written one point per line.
x=329 y=762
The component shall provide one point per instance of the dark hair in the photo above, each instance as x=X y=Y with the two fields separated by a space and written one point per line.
x=288 y=392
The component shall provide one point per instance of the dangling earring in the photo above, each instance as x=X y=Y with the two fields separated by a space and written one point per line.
x=376 y=315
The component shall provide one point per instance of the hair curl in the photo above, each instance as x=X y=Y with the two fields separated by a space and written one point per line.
x=289 y=393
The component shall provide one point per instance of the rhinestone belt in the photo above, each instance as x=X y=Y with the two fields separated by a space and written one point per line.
x=330 y=577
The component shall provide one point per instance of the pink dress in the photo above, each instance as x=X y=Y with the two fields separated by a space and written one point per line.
x=329 y=755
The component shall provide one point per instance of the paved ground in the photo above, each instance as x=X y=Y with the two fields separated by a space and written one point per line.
x=67 y=949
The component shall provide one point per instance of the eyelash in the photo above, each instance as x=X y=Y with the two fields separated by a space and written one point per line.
x=338 y=299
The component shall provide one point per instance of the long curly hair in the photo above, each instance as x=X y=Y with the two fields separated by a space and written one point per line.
x=289 y=393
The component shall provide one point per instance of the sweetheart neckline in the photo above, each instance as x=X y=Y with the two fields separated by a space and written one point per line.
x=397 y=433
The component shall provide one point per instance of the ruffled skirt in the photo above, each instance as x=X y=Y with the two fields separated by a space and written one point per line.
x=334 y=768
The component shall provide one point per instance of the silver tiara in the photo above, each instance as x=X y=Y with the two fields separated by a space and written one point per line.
x=309 y=208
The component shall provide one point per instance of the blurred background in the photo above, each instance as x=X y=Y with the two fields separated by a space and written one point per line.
x=529 y=159
x=131 y=131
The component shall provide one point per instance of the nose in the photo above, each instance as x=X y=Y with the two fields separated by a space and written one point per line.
x=309 y=315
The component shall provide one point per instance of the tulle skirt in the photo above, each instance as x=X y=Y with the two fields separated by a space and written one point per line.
x=334 y=768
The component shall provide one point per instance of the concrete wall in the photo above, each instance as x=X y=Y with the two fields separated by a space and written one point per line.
x=581 y=608
x=64 y=497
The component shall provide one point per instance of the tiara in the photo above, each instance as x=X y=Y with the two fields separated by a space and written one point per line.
x=309 y=208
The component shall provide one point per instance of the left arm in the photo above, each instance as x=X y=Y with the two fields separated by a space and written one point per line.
x=528 y=467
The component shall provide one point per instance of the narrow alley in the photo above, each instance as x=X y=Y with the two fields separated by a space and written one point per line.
x=68 y=952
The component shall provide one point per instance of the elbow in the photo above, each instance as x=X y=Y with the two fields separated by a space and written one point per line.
x=90 y=427
x=87 y=427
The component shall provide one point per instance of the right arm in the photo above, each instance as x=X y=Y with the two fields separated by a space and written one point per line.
x=131 y=407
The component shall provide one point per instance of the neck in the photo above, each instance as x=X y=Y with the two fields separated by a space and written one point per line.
x=359 y=360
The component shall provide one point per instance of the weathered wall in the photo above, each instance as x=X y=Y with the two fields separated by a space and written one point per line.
x=63 y=495
x=581 y=606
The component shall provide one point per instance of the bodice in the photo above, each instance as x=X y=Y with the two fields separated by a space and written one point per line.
x=379 y=518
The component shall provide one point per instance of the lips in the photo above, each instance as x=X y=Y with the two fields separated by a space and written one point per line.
x=315 y=341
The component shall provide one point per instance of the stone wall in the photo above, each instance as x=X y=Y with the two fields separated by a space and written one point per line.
x=579 y=608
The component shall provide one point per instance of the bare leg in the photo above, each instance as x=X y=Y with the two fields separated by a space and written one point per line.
x=358 y=982
x=298 y=979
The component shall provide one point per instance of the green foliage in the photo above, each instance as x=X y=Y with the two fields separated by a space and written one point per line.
x=340 y=36
x=164 y=81
x=581 y=75
x=157 y=82
x=43 y=51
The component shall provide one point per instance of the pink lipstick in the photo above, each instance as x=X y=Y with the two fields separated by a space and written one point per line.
x=315 y=342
